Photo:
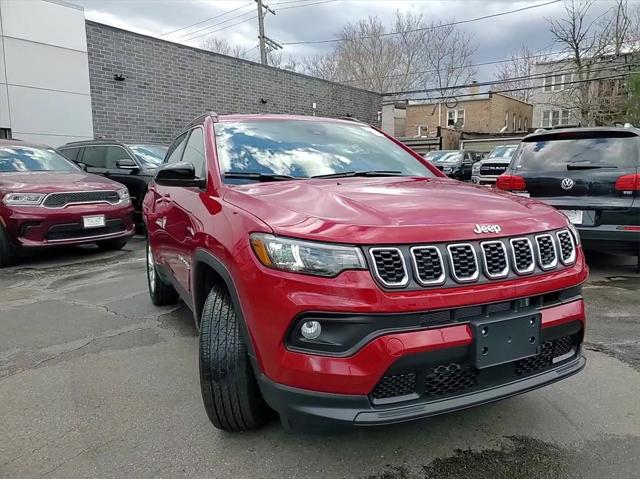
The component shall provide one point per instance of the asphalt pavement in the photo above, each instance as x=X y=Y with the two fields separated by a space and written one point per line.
x=95 y=381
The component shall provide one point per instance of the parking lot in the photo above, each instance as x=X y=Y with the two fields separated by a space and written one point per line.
x=97 y=382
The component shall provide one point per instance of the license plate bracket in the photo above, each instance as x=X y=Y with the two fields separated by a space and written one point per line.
x=95 y=221
x=505 y=339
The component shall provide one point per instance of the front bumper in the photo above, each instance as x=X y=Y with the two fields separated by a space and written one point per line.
x=620 y=238
x=38 y=226
x=299 y=409
x=484 y=180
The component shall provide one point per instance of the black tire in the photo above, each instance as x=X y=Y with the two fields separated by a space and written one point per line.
x=8 y=251
x=161 y=293
x=230 y=392
x=112 y=244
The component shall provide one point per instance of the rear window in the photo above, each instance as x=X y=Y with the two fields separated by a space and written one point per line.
x=562 y=154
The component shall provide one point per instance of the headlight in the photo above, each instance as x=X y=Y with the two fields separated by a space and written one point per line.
x=30 y=199
x=308 y=257
x=123 y=194
x=475 y=168
x=574 y=232
x=447 y=169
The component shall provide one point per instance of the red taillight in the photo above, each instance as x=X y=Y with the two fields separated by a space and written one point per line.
x=511 y=183
x=628 y=183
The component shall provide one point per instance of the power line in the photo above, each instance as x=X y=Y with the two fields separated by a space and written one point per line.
x=204 y=21
x=450 y=97
x=484 y=17
x=533 y=76
x=192 y=36
x=307 y=4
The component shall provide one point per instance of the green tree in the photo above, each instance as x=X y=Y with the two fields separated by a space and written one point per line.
x=633 y=101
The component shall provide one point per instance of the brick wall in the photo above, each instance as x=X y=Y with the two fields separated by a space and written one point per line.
x=166 y=85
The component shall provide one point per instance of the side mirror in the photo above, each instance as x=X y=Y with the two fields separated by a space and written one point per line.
x=126 y=164
x=178 y=174
x=82 y=166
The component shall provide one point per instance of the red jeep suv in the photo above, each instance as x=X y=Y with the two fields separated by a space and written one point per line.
x=339 y=279
x=46 y=200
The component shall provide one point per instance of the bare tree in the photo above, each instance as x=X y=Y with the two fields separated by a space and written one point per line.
x=410 y=55
x=222 y=46
x=517 y=73
x=593 y=47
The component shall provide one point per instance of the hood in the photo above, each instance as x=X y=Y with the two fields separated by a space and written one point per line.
x=390 y=210
x=51 y=182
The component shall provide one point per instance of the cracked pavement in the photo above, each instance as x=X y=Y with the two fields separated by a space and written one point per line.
x=95 y=381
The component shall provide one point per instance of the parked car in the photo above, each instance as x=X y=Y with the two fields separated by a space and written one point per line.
x=340 y=279
x=486 y=171
x=592 y=175
x=133 y=165
x=455 y=164
x=47 y=200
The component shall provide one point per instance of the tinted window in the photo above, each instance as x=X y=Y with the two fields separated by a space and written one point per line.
x=149 y=155
x=563 y=154
x=115 y=154
x=94 y=156
x=24 y=158
x=303 y=148
x=70 y=153
x=194 y=152
x=175 y=154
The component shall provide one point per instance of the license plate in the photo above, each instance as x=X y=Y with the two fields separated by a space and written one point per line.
x=575 y=216
x=93 y=221
x=526 y=194
x=505 y=339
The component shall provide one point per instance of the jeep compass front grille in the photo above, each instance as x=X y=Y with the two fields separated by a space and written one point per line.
x=449 y=265
x=58 y=200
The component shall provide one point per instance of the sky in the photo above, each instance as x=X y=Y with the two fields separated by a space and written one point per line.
x=322 y=19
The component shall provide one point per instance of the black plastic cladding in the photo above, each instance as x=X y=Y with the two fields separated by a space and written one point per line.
x=529 y=250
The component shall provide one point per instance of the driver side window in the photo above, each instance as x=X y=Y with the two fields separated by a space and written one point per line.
x=178 y=147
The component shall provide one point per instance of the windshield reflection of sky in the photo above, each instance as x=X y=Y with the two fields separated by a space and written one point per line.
x=150 y=155
x=308 y=148
x=24 y=159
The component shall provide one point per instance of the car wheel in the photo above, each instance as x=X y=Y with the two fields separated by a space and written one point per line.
x=160 y=292
x=112 y=245
x=8 y=251
x=230 y=392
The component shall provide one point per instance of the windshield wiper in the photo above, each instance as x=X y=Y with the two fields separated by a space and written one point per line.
x=256 y=176
x=370 y=173
x=588 y=166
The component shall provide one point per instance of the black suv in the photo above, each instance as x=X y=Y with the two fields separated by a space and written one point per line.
x=591 y=174
x=133 y=165
x=455 y=164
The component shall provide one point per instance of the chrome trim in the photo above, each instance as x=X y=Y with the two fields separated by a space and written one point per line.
x=42 y=203
x=440 y=279
x=502 y=274
x=555 y=252
x=532 y=266
x=404 y=281
x=470 y=279
x=572 y=258
x=93 y=238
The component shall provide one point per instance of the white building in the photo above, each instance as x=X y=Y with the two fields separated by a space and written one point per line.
x=44 y=73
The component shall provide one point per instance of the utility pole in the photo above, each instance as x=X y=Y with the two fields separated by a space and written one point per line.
x=263 y=39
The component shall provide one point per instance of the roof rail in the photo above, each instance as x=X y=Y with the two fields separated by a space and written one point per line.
x=198 y=119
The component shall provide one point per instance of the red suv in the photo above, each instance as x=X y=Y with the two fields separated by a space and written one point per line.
x=45 y=200
x=339 y=279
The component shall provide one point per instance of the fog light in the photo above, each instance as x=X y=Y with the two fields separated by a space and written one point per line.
x=311 y=329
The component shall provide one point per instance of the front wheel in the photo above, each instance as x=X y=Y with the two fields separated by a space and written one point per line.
x=230 y=392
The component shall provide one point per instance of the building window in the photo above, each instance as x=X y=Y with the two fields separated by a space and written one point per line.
x=526 y=124
x=555 y=118
x=5 y=133
x=555 y=82
x=455 y=118
x=506 y=120
x=513 y=122
x=519 y=122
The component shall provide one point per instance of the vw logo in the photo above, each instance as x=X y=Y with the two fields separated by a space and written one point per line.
x=567 y=184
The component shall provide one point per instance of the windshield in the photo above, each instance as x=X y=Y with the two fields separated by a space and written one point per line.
x=503 y=152
x=301 y=149
x=434 y=156
x=150 y=155
x=562 y=155
x=448 y=159
x=26 y=158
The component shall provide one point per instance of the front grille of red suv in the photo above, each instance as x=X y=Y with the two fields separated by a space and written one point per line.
x=423 y=266
x=59 y=200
